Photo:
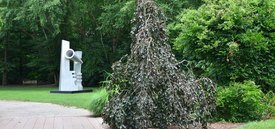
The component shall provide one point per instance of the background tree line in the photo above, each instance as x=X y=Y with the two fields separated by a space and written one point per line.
x=31 y=32
x=228 y=41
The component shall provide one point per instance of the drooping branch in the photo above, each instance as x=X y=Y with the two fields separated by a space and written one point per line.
x=153 y=91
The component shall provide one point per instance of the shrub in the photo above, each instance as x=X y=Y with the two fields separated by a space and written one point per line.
x=240 y=102
x=99 y=99
x=270 y=100
x=229 y=40
x=153 y=91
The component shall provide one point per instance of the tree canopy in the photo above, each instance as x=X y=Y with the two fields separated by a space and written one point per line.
x=224 y=40
x=33 y=29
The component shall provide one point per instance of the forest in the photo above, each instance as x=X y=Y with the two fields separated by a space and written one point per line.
x=227 y=41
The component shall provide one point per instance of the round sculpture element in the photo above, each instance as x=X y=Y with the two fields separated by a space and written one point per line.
x=69 y=53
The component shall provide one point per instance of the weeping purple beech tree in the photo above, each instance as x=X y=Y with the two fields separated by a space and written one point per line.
x=148 y=89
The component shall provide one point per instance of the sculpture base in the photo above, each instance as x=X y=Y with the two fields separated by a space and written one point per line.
x=70 y=92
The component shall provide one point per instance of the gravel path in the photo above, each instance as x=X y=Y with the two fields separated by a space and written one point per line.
x=31 y=115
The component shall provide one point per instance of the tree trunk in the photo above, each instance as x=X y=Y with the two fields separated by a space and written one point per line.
x=4 y=76
x=204 y=125
x=55 y=75
x=21 y=67
x=114 y=44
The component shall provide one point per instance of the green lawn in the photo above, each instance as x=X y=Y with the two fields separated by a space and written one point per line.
x=264 y=124
x=42 y=94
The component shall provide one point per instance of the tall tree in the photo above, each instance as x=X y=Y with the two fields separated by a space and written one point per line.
x=9 y=9
x=46 y=18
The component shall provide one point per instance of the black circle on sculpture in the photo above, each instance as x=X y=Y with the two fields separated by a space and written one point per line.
x=70 y=53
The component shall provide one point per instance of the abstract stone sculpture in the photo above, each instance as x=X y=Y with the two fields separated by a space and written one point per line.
x=70 y=78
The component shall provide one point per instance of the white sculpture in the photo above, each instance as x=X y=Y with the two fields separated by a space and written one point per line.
x=70 y=80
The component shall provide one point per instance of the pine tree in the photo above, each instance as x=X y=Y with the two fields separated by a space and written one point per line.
x=148 y=88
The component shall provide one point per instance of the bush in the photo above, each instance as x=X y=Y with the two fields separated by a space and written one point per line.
x=270 y=100
x=240 y=102
x=153 y=92
x=229 y=40
x=99 y=99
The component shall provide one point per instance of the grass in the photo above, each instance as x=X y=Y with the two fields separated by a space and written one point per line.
x=98 y=101
x=264 y=124
x=42 y=94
